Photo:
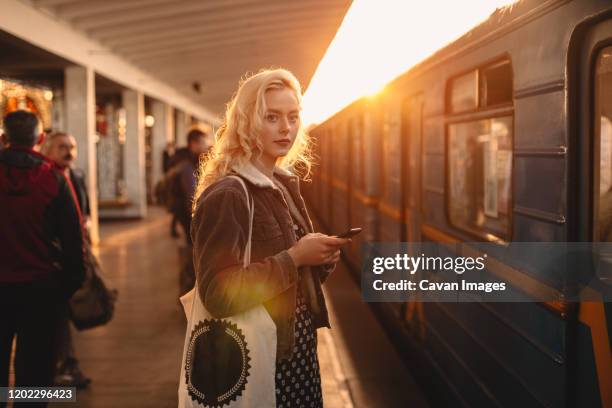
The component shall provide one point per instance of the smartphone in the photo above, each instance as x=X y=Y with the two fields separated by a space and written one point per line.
x=350 y=233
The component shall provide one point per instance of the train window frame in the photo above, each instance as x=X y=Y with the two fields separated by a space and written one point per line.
x=595 y=133
x=483 y=91
x=486 y=112
x=450 y=88
x=481 y=103
x=390 y=190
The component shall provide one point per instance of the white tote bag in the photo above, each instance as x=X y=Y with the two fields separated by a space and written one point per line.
x=243 y=347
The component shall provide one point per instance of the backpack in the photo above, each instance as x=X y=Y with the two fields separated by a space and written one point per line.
x=168 y=189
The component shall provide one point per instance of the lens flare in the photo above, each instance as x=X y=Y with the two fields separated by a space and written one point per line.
x=379 y=40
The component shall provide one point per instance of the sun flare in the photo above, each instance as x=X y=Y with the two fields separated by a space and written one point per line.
x=378 y=40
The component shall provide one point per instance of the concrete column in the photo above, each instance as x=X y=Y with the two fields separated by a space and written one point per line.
x=163 y=133
x=181 y=129
x=133 y=103
x=80 y=103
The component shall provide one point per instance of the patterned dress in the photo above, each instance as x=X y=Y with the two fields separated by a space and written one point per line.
x=298 y=380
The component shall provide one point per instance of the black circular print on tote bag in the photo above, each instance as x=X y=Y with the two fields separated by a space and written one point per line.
x=217 y=363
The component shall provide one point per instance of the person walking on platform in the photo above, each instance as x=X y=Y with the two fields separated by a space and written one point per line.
x=167 y=155
x=263 y=142
x=41 y=256
x=61 y=148
x=181 y=173
x=181 y=183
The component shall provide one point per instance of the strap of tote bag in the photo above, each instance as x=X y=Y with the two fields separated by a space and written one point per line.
x=246 y=260
x=258 y=360
x=189 y=297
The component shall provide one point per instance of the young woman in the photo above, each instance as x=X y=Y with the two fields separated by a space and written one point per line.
x=262 y=140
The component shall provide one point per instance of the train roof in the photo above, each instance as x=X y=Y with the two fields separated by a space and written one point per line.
x=498 y=23
x=501 y=21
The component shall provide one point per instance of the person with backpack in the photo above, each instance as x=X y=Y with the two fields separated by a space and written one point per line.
x=179 y=186
x=180 y=179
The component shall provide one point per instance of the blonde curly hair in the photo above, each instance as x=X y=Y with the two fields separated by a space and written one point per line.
x=237 y=140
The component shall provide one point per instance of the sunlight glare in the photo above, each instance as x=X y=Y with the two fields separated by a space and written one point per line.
x=379 y=40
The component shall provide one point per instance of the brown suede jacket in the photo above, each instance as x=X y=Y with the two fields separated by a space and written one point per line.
x=219 y=230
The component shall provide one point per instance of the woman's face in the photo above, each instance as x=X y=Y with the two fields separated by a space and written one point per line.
x=281 y=123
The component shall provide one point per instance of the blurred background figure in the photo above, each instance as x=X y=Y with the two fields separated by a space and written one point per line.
x=61 y=148
x=181 y=173
x=167 y=155
x=41 y=256
x=179 y=187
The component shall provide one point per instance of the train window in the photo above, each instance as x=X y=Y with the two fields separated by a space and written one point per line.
x=603 y=136
x=464 y=92
x=391 y=162
x=480 y=169
x=496 y=84
x=484 y=87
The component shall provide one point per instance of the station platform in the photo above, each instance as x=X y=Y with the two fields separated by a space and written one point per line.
x=134 y=361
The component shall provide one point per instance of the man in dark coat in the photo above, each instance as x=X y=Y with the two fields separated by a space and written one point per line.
x=182 y=183
x=182 y=169
x=41 y=255
x=167 y=155
x=61 y=148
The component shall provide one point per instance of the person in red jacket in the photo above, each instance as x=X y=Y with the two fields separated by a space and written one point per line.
x=41 y=253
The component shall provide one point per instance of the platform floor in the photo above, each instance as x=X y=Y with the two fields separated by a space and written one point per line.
x=134 y=361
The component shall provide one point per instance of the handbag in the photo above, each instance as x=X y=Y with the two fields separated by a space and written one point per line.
x=229 y=361
x=93 y=304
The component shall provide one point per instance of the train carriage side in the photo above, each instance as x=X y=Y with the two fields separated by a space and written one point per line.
x=321 y=179
x=350 y=156
x=473 y=145
x=339 y=177
x=362 y=119
x=505 y=101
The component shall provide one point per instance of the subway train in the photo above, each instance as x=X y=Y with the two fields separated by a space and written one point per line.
x=502 y=136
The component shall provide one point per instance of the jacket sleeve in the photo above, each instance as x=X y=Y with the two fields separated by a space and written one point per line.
x=71 y=239
x=219 y=232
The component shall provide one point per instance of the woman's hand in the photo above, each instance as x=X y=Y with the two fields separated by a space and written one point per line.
x=317 y=249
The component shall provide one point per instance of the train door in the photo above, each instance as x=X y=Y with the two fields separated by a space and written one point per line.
x=412 y=109
x=593 y=200
x=390 y=167
x=357 y=202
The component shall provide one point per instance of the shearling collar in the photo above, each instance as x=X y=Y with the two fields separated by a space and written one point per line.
x=252 y=174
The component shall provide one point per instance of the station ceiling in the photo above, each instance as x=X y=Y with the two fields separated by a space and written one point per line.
x=203 y=47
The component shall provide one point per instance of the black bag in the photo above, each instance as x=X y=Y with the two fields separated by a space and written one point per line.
x=92 y=304
x=170 y=191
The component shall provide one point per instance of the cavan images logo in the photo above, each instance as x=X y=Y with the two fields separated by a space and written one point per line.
x=217 y=363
